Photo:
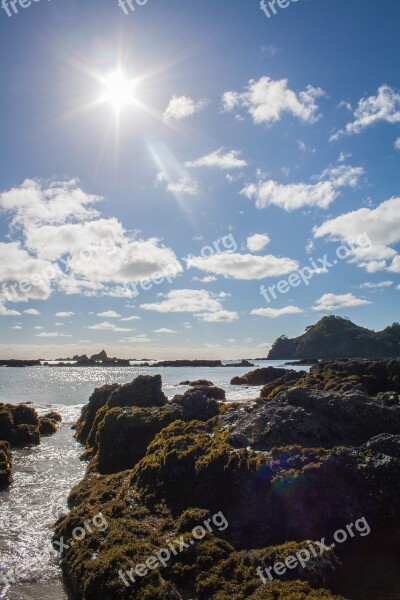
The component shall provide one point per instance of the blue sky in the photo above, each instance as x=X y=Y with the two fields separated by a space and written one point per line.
x=159 y=167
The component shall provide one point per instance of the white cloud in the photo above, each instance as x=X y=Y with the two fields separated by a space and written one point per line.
x=164 y=330
x=381 y=226
x=184 y=184
x=53 y=335
x=32 y=311
x=329 y=302
x=38 y=327
x=106 y=326
x=229 y=160
x=220 y=316
x=273 y=313
x=244 y=266
x=205 y=279
x=293 y=196
x=397 y=144
x=193 y=301
x=182 y=107
x=267 y=101
x=384 y=107
x=95 y=255
x=380 y=284
x=24 y=277
x=8 y=312
x=133 y=318
x=257 y=241
x=64 y=315
x=137 y=339
x=109 y=314
x=16 y=327
x=37 y=202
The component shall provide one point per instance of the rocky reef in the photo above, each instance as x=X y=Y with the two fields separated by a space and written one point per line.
x=21 y=426
x=335 y=337
x=314 y=454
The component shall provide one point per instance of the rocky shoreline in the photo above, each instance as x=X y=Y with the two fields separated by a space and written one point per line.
x=312 y=453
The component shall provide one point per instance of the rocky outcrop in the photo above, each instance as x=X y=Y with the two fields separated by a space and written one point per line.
x=310 y=418
x=260 y=376
x=47 y=426
x=242 y=363
x=19 y=425
x=298 y=464
x=334 y=337
x=19 y=363
x=196 y=383
x=100 y=356
x=5 y=465
x=187 y=363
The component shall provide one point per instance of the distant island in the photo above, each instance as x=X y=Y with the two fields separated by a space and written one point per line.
x=337 y=337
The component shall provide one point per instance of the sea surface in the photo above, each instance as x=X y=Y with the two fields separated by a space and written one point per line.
x=44 y=475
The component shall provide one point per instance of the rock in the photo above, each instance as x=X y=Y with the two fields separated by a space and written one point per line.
x=99 y=357
x=19 y=363
x=196 y=406
x=5 y=465
x=388 y=398
x=385 y=444
x=208 y=391
x=188 y=363
x=124 y=435
x=19 y=425
x=53 y=416
x=144 y=391
x=282 y=383
x=199 y=382
x=303 y=362
x=260 y=376
x=242 y=363
x=311 y=418
x=47 y=426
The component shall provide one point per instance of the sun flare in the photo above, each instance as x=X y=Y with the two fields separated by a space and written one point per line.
x=118 y=90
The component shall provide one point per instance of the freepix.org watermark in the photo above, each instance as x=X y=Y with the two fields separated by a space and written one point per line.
x=129 y=5
x=7 y=5
x=270 y=8
x=318 y=266
x=163 y=556
x=315 y=550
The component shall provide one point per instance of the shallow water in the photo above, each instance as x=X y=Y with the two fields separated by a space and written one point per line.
x=44 y=475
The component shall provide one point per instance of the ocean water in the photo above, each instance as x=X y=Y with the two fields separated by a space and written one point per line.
x=44 y=475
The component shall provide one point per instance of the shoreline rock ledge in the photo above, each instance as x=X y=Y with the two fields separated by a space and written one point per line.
x=306 y=458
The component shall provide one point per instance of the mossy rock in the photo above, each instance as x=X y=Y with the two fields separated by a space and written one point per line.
x=47 y=426
x=5 y=465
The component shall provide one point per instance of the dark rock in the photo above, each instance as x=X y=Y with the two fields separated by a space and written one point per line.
x=188 y=363
x=144 y=391
x=47 y=426
x=201 y=382
x=282 y=383
x=242 y=363
x=311 y=418
x=5 y=465
x=196 y=406
x=99 y=357
x=260 y=376
x=388 y=398
x=208 y=391
x=19 y=425
x=53 y=416
x=303 y=362
x=385 y=444
x=19 y=363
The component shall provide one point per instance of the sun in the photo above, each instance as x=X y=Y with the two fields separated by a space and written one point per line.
x=118 y=90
